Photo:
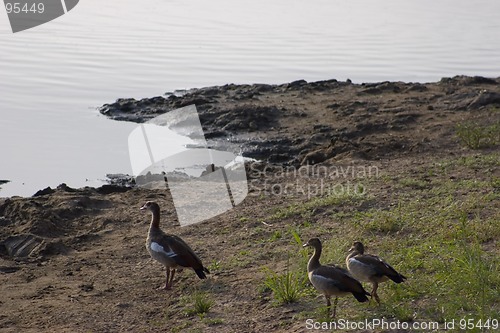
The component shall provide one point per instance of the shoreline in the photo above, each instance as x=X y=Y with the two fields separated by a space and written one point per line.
x=392 y=164
x=276 y=124
x=296 y=123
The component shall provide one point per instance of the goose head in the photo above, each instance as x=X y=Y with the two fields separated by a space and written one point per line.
x=151 y=206
x=313 y=242
x=357 y=247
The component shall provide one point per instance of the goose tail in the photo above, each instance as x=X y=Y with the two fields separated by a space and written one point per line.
x=361 y=296
x=201 y=272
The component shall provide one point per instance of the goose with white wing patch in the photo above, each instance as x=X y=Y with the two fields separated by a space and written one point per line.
x=332 y=280
x=370 y=268
x=170 y=250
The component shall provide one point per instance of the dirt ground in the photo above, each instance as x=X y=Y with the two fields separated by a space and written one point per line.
x=74 y=260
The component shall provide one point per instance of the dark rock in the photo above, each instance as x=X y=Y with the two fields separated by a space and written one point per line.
x=45 y=191
x=54 y=248
x=21 y=245
x=484 y=99
x=108 y=189
x=321 y=128
x=86 y=287
x=3 y=204
x=120 y=179
x=4 y=221
x=333 y=106
x=379 y=88
x=467 y=80
x=297 y=83
x=9 y=269
x=65 y=188
x=416 y=87
x=190 y=100
x=246 y=118
x=211 y=134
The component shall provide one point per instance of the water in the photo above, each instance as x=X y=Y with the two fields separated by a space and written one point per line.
x=54 y=76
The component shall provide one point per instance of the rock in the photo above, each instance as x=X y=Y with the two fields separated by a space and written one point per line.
x=107 y=189
x=9 y=269
x=484 y=98
x=254 y=118
x=65 y=188
x=45 y=191
x=20 y=245
x=467 y=80
x=120 y=179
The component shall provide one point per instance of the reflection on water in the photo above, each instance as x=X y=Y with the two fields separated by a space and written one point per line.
x=54 y=76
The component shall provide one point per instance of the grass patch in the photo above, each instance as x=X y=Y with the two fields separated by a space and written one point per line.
x=275 y=236
x=286 y=287
x=414 y=183
x=307 y=208
x=438 y=226
x=214 y=266
x=387 y=221
x=201 y=304
x=476 y=136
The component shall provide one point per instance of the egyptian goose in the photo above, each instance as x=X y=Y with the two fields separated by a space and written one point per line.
x=331 y=280
x=170 y=250
x=370 y=268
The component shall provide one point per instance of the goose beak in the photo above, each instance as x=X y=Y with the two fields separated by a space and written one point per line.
x=351 y=249
x=305 y=245
x=143 y=207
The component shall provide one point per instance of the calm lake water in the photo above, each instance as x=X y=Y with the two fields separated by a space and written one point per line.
x=53 y=77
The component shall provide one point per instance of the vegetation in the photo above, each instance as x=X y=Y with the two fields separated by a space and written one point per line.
x=439 y=229
x=475 y=135
x=201 y=304
x=286 y=287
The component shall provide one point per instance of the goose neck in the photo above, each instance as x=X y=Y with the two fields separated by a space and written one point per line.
x=155 y=220
x=314 y=260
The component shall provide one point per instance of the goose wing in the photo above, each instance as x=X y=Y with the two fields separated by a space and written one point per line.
x=177 y=250
x=338 y=278
x=379 y=267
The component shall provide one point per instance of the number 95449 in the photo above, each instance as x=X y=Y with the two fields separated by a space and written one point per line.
x=19 y=7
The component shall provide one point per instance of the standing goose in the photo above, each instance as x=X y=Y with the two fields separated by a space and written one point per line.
x=370 y=268
x=330 y=280
x=170 y=250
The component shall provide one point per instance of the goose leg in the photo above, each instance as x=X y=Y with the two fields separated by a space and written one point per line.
x=167 y=277
x=374 y=292
x=328 y=305
x=335 y=307
x=171 y=279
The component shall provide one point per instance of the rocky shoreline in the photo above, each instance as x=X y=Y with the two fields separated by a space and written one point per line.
x=312 y=122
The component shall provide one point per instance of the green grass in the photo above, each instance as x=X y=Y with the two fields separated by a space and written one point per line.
x=476 y=136
x=201 y=304
x=307 y=208
x=214 y=266
x=414 y=183
x=436 y=223
x=287 y=287
x=439 y=231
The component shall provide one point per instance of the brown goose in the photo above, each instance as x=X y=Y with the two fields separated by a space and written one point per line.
x=330 y=280
x=170 y=250
x=370 y=268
